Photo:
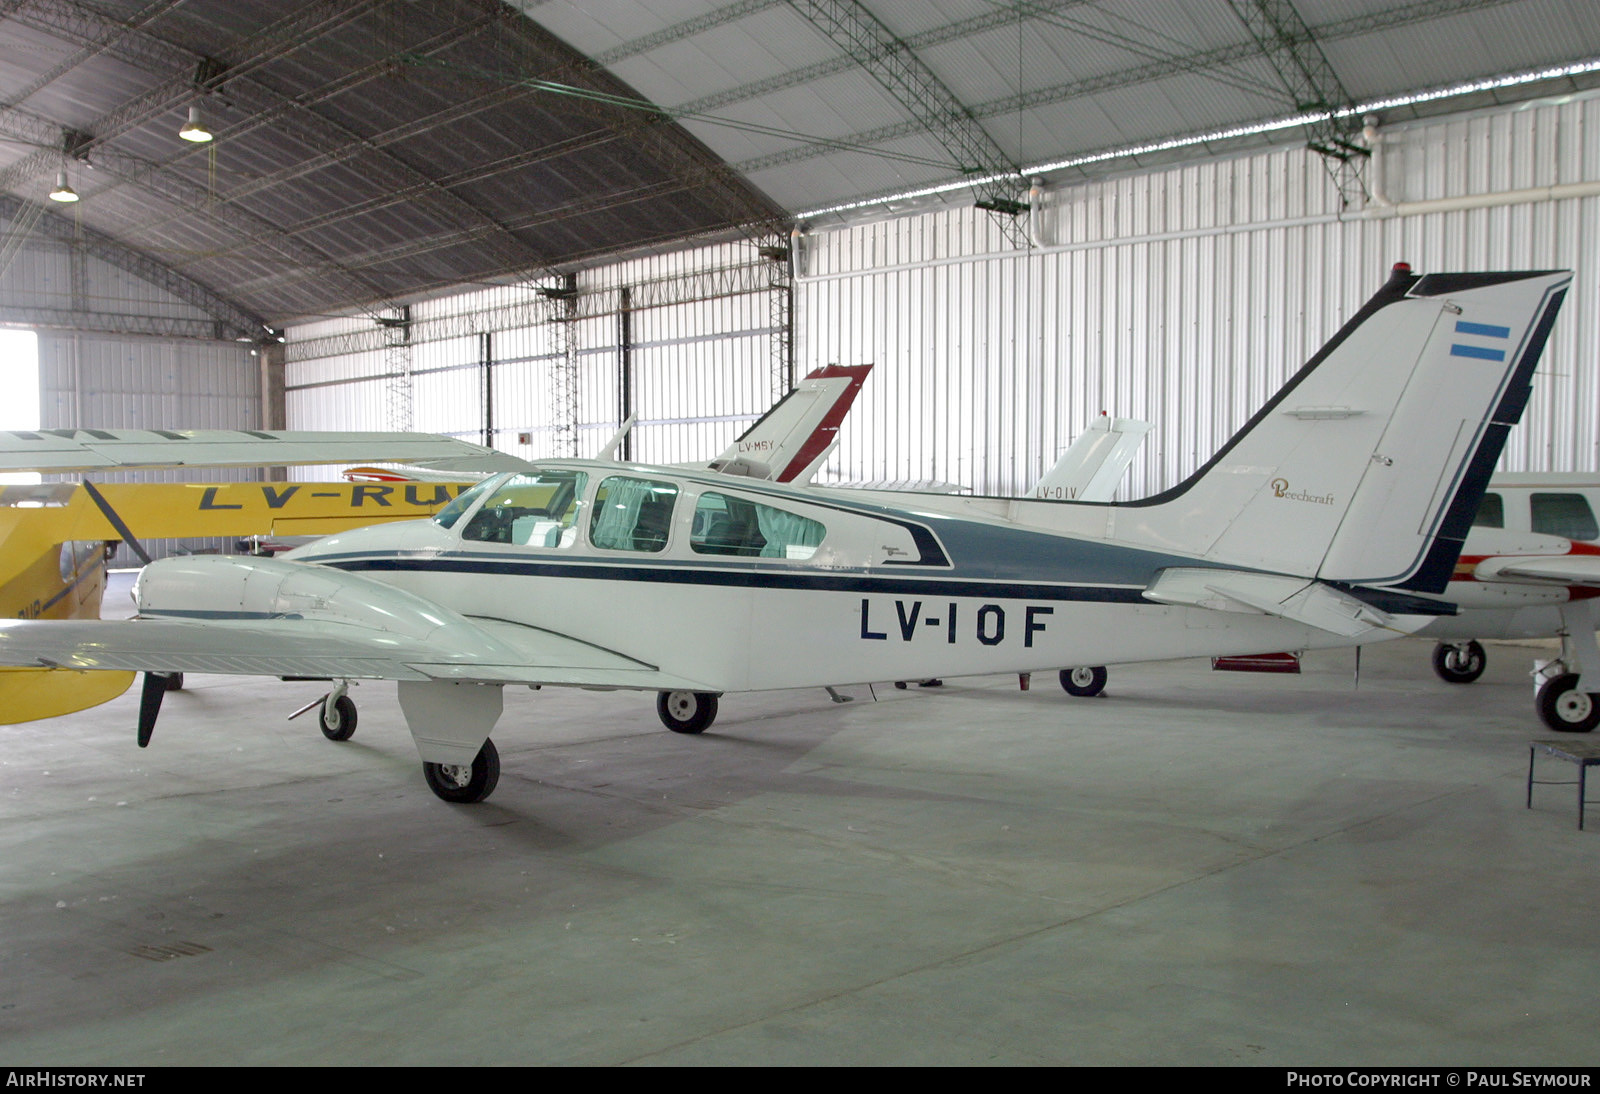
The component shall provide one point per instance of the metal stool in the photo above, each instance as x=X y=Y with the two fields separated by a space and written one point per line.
x=1585 y=754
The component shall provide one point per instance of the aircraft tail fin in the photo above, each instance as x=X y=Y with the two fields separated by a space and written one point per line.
x=788 y=442
x=1368 y=466
x=1091 y=467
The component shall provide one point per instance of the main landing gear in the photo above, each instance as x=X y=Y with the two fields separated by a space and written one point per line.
x=1565 y=707
x=1459 y=662
x=463 y=784
x=1084 y=681
x=1562 y=701
x=687 y=711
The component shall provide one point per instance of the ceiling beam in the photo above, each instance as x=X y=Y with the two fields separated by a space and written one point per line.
x=1313 y=87
x=999 y=16
x=176 y=190
x=1156 y=70
x=148 y=50
x=896 y=68
x=230 y=321
x=83 y=25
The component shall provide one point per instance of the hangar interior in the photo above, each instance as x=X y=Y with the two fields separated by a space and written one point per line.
x=522 y=224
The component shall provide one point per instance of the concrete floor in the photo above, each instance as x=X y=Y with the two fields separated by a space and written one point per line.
x=1195 y=868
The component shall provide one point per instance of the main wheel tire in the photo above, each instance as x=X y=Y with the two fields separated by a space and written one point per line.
x=1084 y=681
x=1566 y=709
x=686 y=711
x=1459 y=664
x=342 y=726
x=463 y=784
x=174 y=681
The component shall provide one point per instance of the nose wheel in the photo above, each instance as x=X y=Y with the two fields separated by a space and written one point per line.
x=336 y=713
x=338 y=724
x=463 y=784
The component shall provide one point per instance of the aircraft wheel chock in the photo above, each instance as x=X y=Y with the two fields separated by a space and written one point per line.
x=1459 y=664
x=342 y=726
x=1088 y=680
x=463 y=784
x=686 y=711
x=1564 y=708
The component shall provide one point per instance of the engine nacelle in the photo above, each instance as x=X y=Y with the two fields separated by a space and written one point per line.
x=245 y=588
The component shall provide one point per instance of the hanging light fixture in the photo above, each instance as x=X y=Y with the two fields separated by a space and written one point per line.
x=63 y=192
x=195 y=129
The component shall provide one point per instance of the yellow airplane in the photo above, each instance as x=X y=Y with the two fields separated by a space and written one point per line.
x=55 y=540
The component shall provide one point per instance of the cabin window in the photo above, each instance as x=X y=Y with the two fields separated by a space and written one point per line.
x=632 y=514
x=537 y=509
x=77 y=558
x=725 y=525
x=1491 y=512
x=1566 y=515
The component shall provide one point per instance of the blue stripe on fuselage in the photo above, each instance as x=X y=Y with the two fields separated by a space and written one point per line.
x=812 y=580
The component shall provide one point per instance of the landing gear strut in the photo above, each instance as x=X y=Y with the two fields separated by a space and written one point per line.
x=336 y=713
x=339 y=724
x=1563 y=702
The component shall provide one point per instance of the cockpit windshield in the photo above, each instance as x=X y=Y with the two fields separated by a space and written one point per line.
x=447 y=517
x=534 y=509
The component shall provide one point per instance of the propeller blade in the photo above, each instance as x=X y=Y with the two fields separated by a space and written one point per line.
x=155 y=690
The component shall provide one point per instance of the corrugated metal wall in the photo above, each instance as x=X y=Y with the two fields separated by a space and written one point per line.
x=1186 y=297
x=146 y=383
x=104 y=382
x=698 y=334
x=132 y=381
x=1183 y=296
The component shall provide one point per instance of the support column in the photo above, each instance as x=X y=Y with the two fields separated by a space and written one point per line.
x=486 y=362
x=625 y=371
x=564 y=368
x=274 y=398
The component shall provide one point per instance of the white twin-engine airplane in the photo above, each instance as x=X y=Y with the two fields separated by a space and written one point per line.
x=1324 y=522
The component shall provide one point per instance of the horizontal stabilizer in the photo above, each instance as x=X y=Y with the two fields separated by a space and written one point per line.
x=1295 y=599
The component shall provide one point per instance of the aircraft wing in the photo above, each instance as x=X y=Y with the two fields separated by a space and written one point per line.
x=129 y=449
x=498 y=653
x=288 y=618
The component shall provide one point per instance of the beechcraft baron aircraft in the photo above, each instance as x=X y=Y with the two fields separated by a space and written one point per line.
x=1325 y=522
x=55 y=539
